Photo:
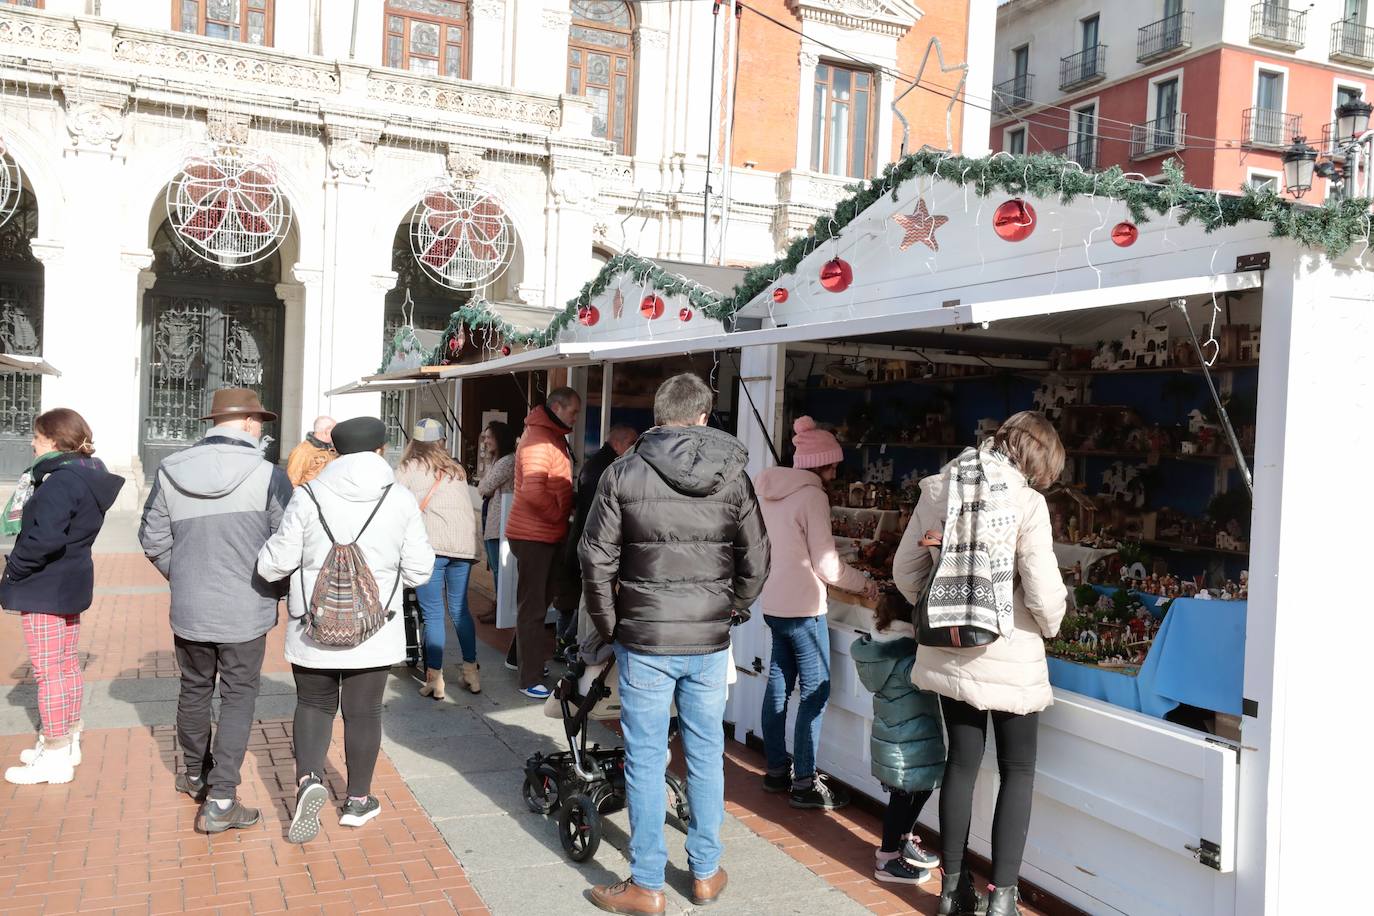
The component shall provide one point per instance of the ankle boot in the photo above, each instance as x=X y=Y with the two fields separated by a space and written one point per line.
x=1003 y=902
x=471 y=679
x=958 y=897
x=434 y=683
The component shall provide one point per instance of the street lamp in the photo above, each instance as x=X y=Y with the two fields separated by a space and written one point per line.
x=1299 y=162
x=1352 y=118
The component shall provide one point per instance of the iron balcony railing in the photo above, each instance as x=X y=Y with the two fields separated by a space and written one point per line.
x=1167 y=36
x=1088 y=65
x=1082 y=149
x=1277 y=26
x=1158 y=136
x=1013 y=94
x=1267 y=127
x=1333 y=145
x=1352 y=43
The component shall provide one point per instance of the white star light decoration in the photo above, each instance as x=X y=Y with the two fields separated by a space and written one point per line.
x=919 y=226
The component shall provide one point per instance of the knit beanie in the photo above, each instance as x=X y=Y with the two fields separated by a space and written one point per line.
x=815 y=447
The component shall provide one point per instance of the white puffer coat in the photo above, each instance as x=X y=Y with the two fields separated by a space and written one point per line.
x=395 y=546
x=1010 y=674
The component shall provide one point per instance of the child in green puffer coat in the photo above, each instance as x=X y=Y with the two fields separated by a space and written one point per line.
x=907 y=745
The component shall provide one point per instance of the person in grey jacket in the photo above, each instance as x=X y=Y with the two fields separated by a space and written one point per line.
x=211 y=509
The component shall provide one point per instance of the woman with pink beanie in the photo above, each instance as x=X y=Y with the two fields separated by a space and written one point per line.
x=796 y=511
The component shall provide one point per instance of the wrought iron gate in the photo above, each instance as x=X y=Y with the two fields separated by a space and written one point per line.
x=21 y=332
x=195 y=342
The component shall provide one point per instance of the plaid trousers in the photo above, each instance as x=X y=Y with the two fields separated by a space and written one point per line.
x=51 y=640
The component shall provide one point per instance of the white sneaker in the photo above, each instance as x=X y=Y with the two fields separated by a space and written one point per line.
x=51 y=765
x=30 y=754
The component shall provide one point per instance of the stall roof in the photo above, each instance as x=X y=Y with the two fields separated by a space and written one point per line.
x=35 y=365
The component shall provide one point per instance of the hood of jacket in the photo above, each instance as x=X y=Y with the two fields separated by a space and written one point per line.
x=876 y=659
x=215 y=466
x=542 y=416
x=693 y=460
x=359 y=477
x=103 y=485
x=779 y=483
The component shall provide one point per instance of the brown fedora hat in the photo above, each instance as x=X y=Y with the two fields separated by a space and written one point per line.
x=231 y=403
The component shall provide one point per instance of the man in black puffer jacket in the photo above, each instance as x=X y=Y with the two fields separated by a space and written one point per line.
x=674 y=550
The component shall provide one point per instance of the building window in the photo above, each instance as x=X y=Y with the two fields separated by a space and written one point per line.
x=28 y=4
x=1016 y=141
x=1089 y=33
x=841 y=121
x=1020 y=62
x=601 y=66
x=233 y=20
x=1261 y=180
x=427 y=36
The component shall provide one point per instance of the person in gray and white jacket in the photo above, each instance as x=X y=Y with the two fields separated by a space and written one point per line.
x=211 y=509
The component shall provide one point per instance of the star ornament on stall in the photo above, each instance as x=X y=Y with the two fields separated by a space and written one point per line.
x=919 y=226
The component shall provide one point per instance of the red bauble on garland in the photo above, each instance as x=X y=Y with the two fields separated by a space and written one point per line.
x=651 y=307
x=1014 y=220
x=588 y=315
x=779 y=295
x=505 y=351
x=1125 y=234
x=836 y=275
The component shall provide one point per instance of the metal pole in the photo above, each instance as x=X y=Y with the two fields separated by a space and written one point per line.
x=727 y=166
x=353 y=36
x=1241 y=464
x=710 y=126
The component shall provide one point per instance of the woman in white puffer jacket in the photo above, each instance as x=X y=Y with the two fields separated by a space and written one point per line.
x=359 y=500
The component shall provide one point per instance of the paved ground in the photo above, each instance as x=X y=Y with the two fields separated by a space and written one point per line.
x=455 y=835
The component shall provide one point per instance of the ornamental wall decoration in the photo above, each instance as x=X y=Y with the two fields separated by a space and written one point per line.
x=461 y=235
x=11 y=184
x=227 y=206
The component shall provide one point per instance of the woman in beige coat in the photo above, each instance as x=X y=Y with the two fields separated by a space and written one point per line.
x=439 y=485
x=1007 y=678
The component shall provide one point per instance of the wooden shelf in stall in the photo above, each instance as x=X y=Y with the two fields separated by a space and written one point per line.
x=1200 y=548
x=1145 y=456
x=1220 y=367
x=897 y=445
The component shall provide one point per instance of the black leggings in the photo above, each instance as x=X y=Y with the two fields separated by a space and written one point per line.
x=968 y=733
x=319 y=693
x=900 y=817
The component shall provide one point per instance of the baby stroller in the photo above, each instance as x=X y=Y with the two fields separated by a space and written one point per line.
x=584 y=783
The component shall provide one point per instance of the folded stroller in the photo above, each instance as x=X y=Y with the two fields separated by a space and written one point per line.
x=583 y=783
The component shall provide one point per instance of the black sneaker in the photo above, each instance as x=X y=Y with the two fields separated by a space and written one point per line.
x=356 y=813
x=193 y=786
x=310 y=798
x=235 y=817
x=918 y=855
x=782 y=783
x=820 y=794
x=899 y=871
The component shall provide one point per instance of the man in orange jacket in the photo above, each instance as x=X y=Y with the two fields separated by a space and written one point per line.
x=315 y=451
x=537 y=527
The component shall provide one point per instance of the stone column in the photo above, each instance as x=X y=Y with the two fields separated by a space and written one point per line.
x=488 y=41
x=648 y=128
x=302 y=390
x=807 y=59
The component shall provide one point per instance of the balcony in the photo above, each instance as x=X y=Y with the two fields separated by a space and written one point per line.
x=1267 y=128
x=1012 y=95
x=1277 y=26
x=1333 y=145
x=1352 y=43
x=1082 y=149
x=1164 y=38
x=1162 y=135
x=1087 y=66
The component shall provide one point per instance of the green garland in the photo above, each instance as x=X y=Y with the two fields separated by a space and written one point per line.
x=1333 y=227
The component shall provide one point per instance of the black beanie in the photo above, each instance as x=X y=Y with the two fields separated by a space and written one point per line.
x=360 y=434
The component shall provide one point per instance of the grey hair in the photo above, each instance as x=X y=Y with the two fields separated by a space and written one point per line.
x=682 y=399
x=562 y=397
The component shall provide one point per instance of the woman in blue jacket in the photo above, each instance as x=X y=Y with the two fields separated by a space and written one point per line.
x=50 y=579
x=907 y=746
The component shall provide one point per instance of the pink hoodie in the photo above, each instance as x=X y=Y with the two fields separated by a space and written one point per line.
x=797 y=514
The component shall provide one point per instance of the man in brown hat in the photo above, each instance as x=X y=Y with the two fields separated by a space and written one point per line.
x=211 y=509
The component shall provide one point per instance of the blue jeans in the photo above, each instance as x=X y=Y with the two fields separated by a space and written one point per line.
x=649 y=684
x=449 y=581
x=801 y=651
x=494 y=562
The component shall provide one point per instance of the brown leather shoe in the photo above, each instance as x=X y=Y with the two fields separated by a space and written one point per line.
x=708 y=890
x=628 y=898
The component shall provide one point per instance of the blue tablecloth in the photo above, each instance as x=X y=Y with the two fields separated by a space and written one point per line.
x=1198 y=658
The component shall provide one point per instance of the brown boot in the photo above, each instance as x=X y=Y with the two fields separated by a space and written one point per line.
x=471 y=679
x=628 y=898
x=708 y=890
x=434 y=683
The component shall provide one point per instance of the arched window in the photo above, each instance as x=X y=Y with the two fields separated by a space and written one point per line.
x=601 y=66
x=427 y=36
x=234 y=20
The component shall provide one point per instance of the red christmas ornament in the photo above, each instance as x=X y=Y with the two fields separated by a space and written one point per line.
x=1014 y=220
x=779 y=295
x=651 y=307
x=505 y=350
x=1125 y=234
x=684 y=314
x=588 y=315
x=836 y=275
